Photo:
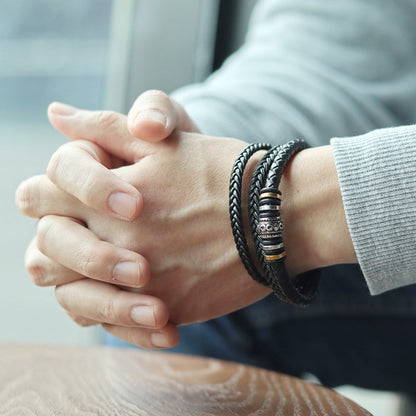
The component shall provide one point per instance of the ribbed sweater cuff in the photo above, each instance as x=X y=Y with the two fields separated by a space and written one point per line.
x=377 y=175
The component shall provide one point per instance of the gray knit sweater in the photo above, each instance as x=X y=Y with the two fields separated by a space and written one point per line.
x=320 y=69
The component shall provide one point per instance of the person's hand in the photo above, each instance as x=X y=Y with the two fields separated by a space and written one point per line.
x=153 y=117
x=183 y=230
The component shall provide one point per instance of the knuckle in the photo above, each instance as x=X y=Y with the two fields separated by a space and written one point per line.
x=82 y=322
x=107 y=120
x=106 y=254
x=27 y=197
x=93 y=257
x=125 y=240
x=62 y=295
x=37 y=271
x=87 y=186
x=45 y=227
x=138 y=336
x=154 y=94
x=56 y=163
x=107 y=311
x=88 y=262
x=37 y=274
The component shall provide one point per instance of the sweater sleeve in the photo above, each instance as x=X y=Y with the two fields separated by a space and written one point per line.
x=313 y=69
x=377 y=175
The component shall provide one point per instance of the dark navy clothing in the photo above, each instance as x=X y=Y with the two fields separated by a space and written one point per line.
x=345 y=337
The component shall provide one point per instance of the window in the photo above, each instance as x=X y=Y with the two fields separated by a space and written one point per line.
x=52 y=50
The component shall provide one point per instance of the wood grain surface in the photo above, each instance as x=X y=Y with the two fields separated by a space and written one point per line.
x=122 y=382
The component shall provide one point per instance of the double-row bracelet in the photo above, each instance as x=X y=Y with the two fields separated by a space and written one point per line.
x=265 y=223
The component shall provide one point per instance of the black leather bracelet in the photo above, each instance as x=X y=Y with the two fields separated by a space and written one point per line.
x=301 y=289
x=235 y=209
x=265 y=223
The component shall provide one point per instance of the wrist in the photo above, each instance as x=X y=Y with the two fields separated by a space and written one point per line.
x=315 y=232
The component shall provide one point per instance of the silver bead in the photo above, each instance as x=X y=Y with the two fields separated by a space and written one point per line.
x=270 y=228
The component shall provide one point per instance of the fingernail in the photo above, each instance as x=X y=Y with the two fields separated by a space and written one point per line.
x=159 y=340
x=127 y=272
x=62 y=109
x=143 y=315
x=122 y=204
x=152 y=115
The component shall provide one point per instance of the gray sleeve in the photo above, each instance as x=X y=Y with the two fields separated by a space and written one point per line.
x=313 y=69
x=319 y=69
x=377 y=175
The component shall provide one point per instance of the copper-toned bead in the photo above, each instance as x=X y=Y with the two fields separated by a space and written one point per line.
x=270 y=195
x=275 y=257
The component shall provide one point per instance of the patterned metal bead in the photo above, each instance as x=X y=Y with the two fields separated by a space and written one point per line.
x=269 y=228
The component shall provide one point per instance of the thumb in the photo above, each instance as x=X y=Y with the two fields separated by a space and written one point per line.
x=155 y=115
x=107 y=129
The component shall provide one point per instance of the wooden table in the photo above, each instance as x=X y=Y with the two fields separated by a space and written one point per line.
x=40 y=381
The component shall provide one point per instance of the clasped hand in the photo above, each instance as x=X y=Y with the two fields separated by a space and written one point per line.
x=134 y=229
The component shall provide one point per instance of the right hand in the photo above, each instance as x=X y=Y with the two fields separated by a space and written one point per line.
x=153 y=117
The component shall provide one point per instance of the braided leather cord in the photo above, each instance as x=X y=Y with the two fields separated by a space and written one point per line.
x=235 y=209
x=286 y=152
x=257 y=182
x=302 y=289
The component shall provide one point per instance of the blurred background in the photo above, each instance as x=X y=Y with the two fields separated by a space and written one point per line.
x=93 y=54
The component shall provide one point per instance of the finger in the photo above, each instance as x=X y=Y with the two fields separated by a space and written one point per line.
x=109 y=304
x=77 y=168
x=38 y=196
x=45 y=272
x=81 y=321
x=107 y=129
x=167 y=337
x=155 y=115
x=67 y=242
